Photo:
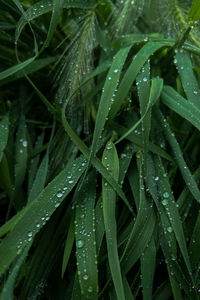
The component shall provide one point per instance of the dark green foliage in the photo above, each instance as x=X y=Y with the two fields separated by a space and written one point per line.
x=99 y=147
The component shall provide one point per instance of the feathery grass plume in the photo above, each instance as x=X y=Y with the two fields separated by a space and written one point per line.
x=76 y=65
x=171 y=19
x=128 y=14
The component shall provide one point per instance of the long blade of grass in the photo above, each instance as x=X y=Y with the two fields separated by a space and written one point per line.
x=96 y=162
x=184 y=108
x=38 y=212
x=68 y=245
x=129 y=77
x=111 y=162
x=107 y=97
x=189 y=81
x=155 y=91
x=187 y=176
x=12 y=70
x=85 y=238
x=148 y=260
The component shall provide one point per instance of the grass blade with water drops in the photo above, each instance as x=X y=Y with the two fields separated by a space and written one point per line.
x=184 y=108
x=187 y=176
x=107 y=97
x=189 y=82
x=111 y=162
x=85 y=238
x=130 y=75
x=38 y=212
x=155 y=91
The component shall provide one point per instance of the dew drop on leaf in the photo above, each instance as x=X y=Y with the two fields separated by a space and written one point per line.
x=80 y=244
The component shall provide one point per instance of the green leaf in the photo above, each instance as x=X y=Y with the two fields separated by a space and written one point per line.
x=85 y=238
x=37 y=213
x=194 y=13
x=155 y=91
x=12 y=70
x=107 y=97
x=111 y=162
x=189 y=81
x=181 y=106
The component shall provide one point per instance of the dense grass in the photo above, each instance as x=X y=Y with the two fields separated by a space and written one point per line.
x=99 y=147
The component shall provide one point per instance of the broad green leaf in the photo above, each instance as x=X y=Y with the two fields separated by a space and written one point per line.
x=111 y=162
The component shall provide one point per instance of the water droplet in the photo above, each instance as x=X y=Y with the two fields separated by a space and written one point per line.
x=164 y=202
x=30 y=234
x=166 y=195
x=71 y=181
x=25 y=144
x=38 y=225
x=195 y=92
x=85 y=277
x=57 y=204
x=116 y=70
x=109 y=78
x=59 y=195
x=145 y=79
x=169 y=229
x=156 y=178
x=90 y=289
x=80 y=244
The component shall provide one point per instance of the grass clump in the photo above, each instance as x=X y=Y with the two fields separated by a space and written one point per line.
x=99 y=132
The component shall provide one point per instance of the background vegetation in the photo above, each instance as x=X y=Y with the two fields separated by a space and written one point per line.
x=99 y=147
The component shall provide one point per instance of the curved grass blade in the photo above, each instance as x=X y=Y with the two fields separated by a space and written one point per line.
x=37 y=213
x=155 y=91
x=169 y=204
x=34 y=66
x=184 y=108
x=85 y=238
x=137 y=140
x=107 y=97
x=8 y=289
x=12 y=70
x=96 y=162
x=111 y=162
x=42 y=7
x=129 y=77
x=189 y=82
x=187 y=176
